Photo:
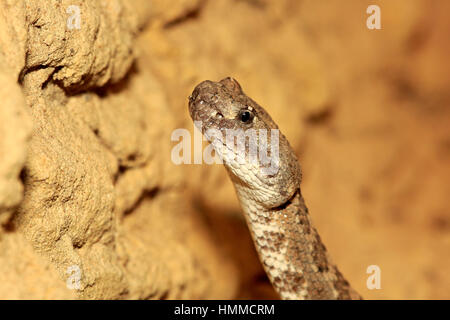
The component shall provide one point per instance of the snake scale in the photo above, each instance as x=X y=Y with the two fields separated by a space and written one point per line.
x=289 y=247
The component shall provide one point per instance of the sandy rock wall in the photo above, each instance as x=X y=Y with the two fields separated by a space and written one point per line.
x=88 y=190
x=80 y=151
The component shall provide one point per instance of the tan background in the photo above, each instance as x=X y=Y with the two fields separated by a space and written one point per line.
x=86 y=117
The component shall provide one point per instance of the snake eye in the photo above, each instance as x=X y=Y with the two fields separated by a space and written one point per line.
x=245 y=116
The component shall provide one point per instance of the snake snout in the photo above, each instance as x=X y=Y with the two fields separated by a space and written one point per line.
x=193 y=103
x=201 y=98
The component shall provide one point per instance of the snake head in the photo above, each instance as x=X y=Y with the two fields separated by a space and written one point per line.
x=256 y=154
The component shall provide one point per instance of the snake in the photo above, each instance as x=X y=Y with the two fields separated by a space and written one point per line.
x=289 y=247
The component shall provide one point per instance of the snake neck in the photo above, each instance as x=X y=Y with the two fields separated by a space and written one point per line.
x=291 y=251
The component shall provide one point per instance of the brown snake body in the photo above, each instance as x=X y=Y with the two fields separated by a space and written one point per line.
x=289 y=247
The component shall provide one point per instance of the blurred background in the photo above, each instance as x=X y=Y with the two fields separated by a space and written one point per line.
x=367 y=111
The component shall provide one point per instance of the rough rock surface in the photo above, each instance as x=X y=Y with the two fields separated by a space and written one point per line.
x=87 y=185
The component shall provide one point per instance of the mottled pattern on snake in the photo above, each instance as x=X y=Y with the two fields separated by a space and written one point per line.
x=289 y=247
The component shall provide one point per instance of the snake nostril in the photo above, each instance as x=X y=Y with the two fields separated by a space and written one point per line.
x=217 y=114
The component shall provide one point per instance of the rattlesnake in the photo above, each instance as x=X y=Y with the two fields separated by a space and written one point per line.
x=289 y=247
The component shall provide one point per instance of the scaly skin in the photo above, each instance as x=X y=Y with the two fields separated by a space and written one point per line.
x=289 y=247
